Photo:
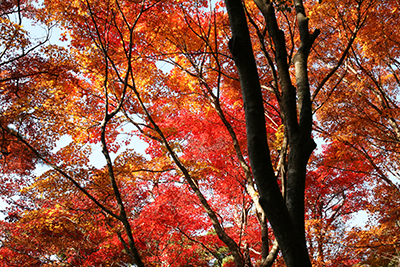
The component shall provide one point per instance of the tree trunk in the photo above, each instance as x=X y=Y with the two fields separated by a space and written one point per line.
x=287 y=219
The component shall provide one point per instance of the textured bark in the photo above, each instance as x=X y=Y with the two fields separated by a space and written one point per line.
x=287 y=219
x=300 y=142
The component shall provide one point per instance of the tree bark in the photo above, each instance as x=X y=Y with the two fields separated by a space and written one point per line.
x=287 y=221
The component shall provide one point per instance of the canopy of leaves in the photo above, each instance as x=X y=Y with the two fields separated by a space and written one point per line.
x=159 y=75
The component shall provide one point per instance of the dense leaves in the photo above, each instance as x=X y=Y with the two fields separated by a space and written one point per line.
x=127 y=143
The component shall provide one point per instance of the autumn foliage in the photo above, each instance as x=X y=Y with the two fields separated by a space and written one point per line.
x=123 y=140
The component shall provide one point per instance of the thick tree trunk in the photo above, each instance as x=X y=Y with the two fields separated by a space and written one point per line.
x=287 y=223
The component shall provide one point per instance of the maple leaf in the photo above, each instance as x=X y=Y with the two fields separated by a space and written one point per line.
x=216 y=184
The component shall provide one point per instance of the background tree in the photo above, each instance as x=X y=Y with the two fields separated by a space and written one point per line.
x=366 y=126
